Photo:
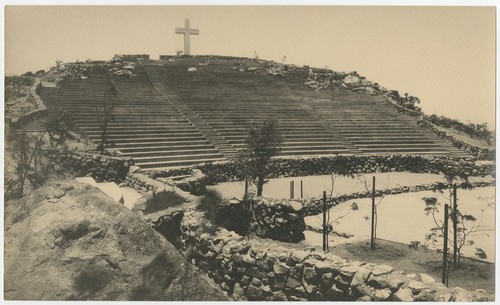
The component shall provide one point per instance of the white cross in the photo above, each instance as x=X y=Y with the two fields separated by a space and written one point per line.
x=186 y=31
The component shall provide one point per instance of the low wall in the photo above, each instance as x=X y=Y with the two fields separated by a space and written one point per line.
x=280 y=220
x=314 y=206
x=296 y=167
x=253 y=270
x=481 y=153
x=101 y=168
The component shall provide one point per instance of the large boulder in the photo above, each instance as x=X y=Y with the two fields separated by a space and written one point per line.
x=80 y=245
x=352 y=81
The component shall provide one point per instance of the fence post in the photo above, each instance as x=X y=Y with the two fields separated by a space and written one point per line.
x=324 y=222
x=372 y=240
x=445 y=245
x=301 y=189
x=455 y=215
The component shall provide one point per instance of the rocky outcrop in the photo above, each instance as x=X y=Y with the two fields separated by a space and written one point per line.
x=253 y=270
x=69 y=241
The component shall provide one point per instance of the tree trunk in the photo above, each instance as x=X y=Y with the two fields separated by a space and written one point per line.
x=260 y=185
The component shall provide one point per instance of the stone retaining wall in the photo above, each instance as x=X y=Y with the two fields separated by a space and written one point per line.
x=280 y=220
x=296 y=167
x=253 y=270
x=314 y=206
x=482 y=153
x=101 y=168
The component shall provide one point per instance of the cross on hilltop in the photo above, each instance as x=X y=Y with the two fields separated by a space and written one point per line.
x=187 y=31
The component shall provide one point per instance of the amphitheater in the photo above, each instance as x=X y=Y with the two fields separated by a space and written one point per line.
x=184 y=110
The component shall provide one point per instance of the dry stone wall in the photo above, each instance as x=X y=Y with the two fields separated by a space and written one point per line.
x=268 y=218
x=296 y=167
x=314 y=206
x=254 y=270
x=99 y=167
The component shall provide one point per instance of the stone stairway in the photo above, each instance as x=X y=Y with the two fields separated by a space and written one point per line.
x=154 y=73
x=167 y=117
x=368 y=122
x=230 y=102
x=144 y=126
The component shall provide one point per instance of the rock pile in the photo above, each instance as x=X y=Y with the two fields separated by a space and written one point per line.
x=265 y=271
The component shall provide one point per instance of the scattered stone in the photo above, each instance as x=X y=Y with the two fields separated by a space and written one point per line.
x=416 y=286
x=382 y=269
x=403 y=295
x=292 y=283
x=299 y=256
x=133 y=169
x=383 y=295
x=280 y=268
x=395 y=284
x=192 y=69
x=426 y=279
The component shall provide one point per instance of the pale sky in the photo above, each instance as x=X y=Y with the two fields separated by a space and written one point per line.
x=443 y=55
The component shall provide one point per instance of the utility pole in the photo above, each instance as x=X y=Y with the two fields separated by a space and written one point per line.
x=372 y=240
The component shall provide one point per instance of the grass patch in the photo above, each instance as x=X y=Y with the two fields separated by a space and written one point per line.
x=163 y=200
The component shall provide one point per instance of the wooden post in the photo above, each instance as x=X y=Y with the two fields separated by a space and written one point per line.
x=324 y=222
x=445 y=244
x=245 y=196
x=455 y=233
x=301 y=189
x=372 y=240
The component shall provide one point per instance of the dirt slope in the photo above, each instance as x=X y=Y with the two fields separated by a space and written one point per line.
x=70 y=241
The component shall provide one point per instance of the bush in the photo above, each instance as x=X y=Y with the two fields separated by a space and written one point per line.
x=209 y=204
x=163 y=200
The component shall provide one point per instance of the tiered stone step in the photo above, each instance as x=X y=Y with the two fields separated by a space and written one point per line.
x=144 y=126
x=373 y=127
x=231 y=101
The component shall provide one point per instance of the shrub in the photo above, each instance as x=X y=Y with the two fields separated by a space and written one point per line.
x=209 y=204
x=163 y=200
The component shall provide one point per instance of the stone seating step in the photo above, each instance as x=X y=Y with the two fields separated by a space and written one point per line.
x=145 y=131
x=137 y=156
x=155 y=159
x=157 y=139
x=170 y=146
x=149 y=166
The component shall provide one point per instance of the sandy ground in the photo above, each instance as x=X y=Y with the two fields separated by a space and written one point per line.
x=313 y=186
x=402 y=218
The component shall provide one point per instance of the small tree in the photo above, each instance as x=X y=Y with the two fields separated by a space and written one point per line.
x=106 y=117
x=327 y=225
x=262 y=144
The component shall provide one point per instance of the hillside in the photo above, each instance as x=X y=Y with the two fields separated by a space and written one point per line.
x=185 y=110
x=68 y=241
